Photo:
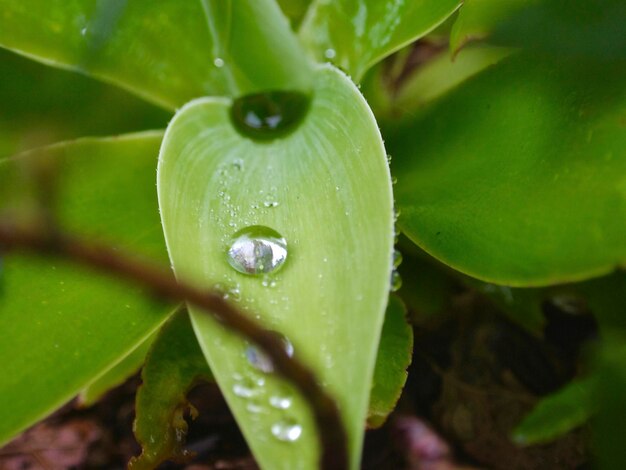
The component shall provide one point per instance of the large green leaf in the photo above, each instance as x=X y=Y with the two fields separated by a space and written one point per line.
x=42 y=105
x=163 y=51
x=63 y=326
x=355 y=34
x=116 y=375
x=517 y=177
x=326 y=188
x=159 y=50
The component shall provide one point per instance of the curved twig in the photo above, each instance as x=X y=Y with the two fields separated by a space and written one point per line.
x=41 y=240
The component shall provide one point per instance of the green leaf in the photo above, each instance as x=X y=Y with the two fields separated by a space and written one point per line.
x=430 y=81
x=325 y=188
x=63 y=326
x=577 y=28
x=516 y=177
x=478 y=18
x=255 y=48
x=175 y=364
x=165 y=52
x=42 y=105
x=394 y=357
x=609 y=425
x=557 y=414
x=116 y=375
x=355 y=34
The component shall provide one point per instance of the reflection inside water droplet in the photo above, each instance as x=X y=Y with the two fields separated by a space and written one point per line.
x=260 y=361
x=280 y=403
x=257 y=250
x=287 y=430
x=266 y=116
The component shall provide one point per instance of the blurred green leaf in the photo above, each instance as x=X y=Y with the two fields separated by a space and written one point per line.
x=394 y=357
x=430 y=81
x=175 y=364
x=355 y=34
x=575 y=28
x=42 y=105
x=307 y=186
x=63 y=326
x=478 y=18
x=255 y=47
x=116 y=375
x=557 y=414
x=609 y=425
x=516 y=177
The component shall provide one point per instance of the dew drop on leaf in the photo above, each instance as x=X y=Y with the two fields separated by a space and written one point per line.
x=257 y=250
x=396 y=281
x=280 y=402
x=267 y=116
x=260 y=361
x=287 y=430
x=397 y=258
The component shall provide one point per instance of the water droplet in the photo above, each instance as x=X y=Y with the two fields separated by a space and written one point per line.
x=245 y=388
x=257 y=250
x=218 y=62
x=83 y=32
x=271 y=204
x=268 y=282
x=254 y=407
x=267 y=116
x=280 y=403
x=260 y=361
x=396 y=281
x=330 y=53
x=397 y=258
x=287 y=430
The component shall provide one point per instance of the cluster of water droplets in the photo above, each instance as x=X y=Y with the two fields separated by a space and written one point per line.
x=252 y=388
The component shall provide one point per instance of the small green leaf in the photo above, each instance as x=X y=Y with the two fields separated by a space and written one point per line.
x=517 y=176
x=394 y=357
x=116 y=375
x=63 y=326
x=357 y=34
x=254 y=47
x=609 y=426
x=557 y=414
x=326 y=189
x=175 y=364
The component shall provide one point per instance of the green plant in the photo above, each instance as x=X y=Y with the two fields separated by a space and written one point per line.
x=276 y=203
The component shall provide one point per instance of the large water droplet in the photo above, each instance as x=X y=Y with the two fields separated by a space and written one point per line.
x=257 y=250
x=287 y=430
x=261 y=361
x=267 y=116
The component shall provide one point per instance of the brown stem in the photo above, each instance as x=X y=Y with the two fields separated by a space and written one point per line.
x=39 y=240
